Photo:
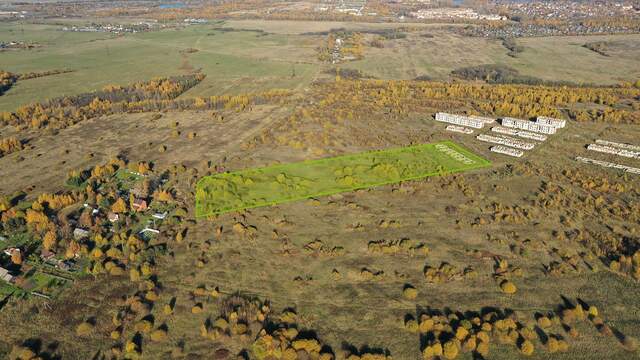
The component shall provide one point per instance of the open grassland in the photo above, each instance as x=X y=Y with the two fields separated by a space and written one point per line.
x=431 y=51
x=234 y=61
x=565 y=58
x=302 y=27
x=47 y=163
x=282 y=57
x=550 y=58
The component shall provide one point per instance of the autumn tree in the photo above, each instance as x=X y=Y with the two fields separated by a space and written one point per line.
x=4 y=203
x=16 y=257
x=120 y=206
x=49 y=241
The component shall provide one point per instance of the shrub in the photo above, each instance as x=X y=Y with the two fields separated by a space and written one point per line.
x=469 y=345
x=431 y=351
x=200 y=291
x=22 y=353
x=197 y=308
x=461 y=333
x=309 y=345
x=450 y=349
x=409 y=292
x=563 y=346
x=411 y=325
x=483 y=349
x=544 y=322
x=552 y=344
x=143 y=326
x=134 y=275
x=117 y=271
x=85 y=329
x=151 y=295
x=131 y=347
x=526 y=348
x=159 y=335
x=508 y=287
x=426 y=325
x=167 y=309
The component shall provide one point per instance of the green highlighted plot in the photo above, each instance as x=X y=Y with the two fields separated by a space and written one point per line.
x=276 y=184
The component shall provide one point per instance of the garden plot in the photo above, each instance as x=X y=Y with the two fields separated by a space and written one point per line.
x=296 y=181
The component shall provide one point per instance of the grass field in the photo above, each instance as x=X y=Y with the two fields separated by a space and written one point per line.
x=548 y=58
x=283 y=57
x=233 y=61
x=296 y=181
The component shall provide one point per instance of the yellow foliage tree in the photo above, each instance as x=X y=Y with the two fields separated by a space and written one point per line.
x=120 y=206
x=49 y=240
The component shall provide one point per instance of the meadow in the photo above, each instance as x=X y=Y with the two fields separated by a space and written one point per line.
x=234 y=62
x=247 y=56
x=556 y=59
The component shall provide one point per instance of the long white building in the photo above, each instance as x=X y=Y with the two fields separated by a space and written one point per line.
x=501 y=149
x=618 y=145
x=519 y=133
x=614 y=151
x=556 y=123
x=460 y=129
x=486 y=120
x=460 y=120
x=503 y=140
x=528 y=125
x=629 y=169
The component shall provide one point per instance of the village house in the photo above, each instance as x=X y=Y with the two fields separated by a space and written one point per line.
x=113 y=217
x=149 y=230
x=64 y=265
x=139 y=205
x=47 y=255
x=4 y=275
x=80 y=233
x=10 y=251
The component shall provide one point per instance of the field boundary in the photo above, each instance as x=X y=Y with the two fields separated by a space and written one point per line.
x=478 y=162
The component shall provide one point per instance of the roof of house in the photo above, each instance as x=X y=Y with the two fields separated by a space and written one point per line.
x=80 y=233
x=47 y=254
x=4 y=274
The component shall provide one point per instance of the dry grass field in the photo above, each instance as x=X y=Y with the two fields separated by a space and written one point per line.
x=51 y=157
x=315 y=257
x=553 y=59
